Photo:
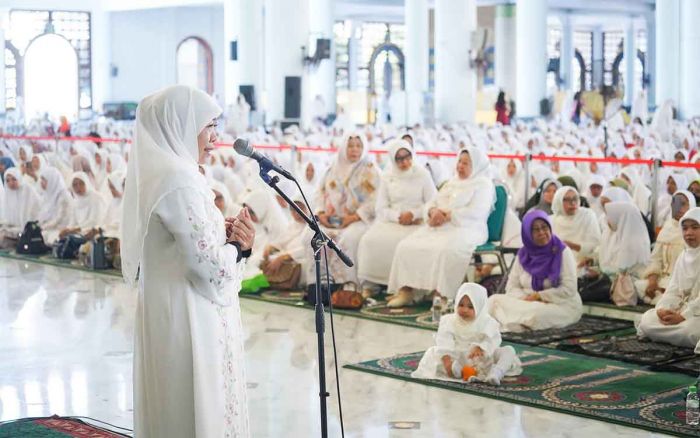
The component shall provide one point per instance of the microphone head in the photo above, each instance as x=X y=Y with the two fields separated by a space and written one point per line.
x=243 y=147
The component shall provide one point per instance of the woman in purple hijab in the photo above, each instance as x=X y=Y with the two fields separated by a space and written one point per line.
x=541 y=292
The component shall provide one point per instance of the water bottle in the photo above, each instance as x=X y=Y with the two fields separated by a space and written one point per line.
x=692 y=407
x=436 y=309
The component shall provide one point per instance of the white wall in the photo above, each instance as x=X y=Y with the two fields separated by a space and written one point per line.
x=144 y=45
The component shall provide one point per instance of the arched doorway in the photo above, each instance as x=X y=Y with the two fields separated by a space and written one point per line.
x=195 y=64
x=50 y=78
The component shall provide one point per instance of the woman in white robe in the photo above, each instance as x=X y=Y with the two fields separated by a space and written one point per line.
x=404 y=190
x=471 y=337
x=668 y=246
x=576 y=226
x=56 y=204
x=189 y=378
x=113 y=215
x=676 y=317
x=345 y=201
x=541 y=292
x=641 y=195
x=674 y=182
x=436 y=257
x=594 y=191
x=270 y=225
x=89 y=207
x=21 y=203
x=512 y=175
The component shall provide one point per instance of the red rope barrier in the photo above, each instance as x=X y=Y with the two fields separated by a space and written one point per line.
x=283 y=147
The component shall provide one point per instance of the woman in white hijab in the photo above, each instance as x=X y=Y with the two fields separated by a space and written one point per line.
x=676 y=317
x=270 y=225
x=576 y=226
x=189 y=377
x=89 y=207
x=21 y=203
x=56 y=204
x=436 y=257
x=469 y=336
x=512 y=175
x=223 y=200
x=115 y=164
x=404 y=190
x=113 y=216
x=674 y=182
x=345 y=201
x=668 y=246
x=641 y=195
x=594 y=191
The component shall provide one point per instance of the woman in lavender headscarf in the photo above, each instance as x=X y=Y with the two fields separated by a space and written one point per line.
x=541 y=292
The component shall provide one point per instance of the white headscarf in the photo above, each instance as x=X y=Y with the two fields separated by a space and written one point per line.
x=671 y=231
x=21 y=205
x=686 y=269
x=268 y=213
x=163 y=159
x=571 y=227
x=117 y=162
x=89 y=209
x=467 y=333
x=393 y=170
x=628 y=244
x=55 y=191
x=342 y=167
x=617 y=194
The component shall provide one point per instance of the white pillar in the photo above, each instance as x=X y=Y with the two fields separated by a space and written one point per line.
x=417 y=59
x=455 y=80
x=597 y=62
x=667 y=51
x=689 y=104
x=630 y=56
x=651 y=58
x=251 y=48
x=353 y=55
x=321 y=76
x=101 y=56
x=505 y=53
x=531 y=57
x=286 y=31
x=566 y=53
x=4 y=27
x=232 y=32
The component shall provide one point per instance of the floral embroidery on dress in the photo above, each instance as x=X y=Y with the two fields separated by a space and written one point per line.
x=205 y=236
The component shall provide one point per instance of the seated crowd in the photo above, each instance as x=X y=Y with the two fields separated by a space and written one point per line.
x=412 y=222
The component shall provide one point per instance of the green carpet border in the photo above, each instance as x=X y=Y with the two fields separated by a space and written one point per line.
x=440 y=385
x=58 y=264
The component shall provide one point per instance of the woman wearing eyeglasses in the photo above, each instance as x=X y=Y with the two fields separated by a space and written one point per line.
x=404 y=189
x=576 y=226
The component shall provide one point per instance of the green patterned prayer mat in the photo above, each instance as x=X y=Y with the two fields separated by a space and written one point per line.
x=690 y=366
x=639 y=308
x=588 y=325
x=48 y=259
x=600 y=389
x=53 y=427
x=629 y=348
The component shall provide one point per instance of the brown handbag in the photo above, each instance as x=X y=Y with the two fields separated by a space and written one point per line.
x=347 y=299
x=286 y=277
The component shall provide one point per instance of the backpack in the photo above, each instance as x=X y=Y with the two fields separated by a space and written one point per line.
x=31 y=241
x=68 y=247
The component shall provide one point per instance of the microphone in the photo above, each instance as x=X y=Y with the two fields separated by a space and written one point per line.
x=243 y=147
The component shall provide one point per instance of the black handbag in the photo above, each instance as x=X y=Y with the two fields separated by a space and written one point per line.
x=310 y=296
x=31 y=241
x=98 y=254
x=68 y=247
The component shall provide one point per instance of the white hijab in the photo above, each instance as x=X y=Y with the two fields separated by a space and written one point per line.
x=686 y=269
x=163 y=158
x=671 y=231
x=577 y=227
x=466 y=333
x=21 y=205
x=628 y=244
x=392 y=170
x=89 y=209
x=55 y=191
x=342 y=167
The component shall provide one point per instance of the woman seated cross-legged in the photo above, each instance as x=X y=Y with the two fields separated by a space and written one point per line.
x=676 y=318
x=541 y=291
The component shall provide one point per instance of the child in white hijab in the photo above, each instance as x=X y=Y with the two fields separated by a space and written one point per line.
x=56 y=204
x=89 y=206
x=468 y=344
x=21 y=203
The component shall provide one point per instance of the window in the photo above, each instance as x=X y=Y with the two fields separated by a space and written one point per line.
x=194 y=64
x=27 y=26
x=583 y=52
x=341 y=34
x=612 y=48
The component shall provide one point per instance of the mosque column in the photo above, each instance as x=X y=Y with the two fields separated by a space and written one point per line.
x=650 y=58
x=4 y=26
x=250 y=44
x=417 y=59
x=455 y=80
x=597 y=63
x=531 y=56
x=286 y=31
x=689 y=59
x=354 y=55
x=630 y=56
x=320 y=77
x=504 y=62
x=667 y=51
x=566 y=52
x=232 y=32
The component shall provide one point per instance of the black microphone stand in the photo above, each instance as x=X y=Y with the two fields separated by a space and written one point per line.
x=319 y=240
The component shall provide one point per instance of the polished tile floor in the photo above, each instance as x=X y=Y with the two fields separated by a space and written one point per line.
x=66 y=341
